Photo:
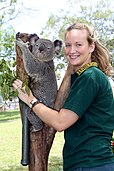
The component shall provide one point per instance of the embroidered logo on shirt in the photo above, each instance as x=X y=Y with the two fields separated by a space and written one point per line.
x=83 y=68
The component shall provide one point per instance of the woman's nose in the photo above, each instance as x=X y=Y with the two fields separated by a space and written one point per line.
x=73 y=49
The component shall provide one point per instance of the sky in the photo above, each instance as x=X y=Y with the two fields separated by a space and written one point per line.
x=32 y=21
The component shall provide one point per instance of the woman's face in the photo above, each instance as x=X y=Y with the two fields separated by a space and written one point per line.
x=77 y=49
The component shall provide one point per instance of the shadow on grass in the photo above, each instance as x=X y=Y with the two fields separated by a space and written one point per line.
x=55 y=164
x=9 y=115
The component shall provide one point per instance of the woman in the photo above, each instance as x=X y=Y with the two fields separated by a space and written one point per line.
x=87 y=116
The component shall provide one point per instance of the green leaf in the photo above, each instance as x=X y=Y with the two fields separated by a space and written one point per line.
x=27 y=89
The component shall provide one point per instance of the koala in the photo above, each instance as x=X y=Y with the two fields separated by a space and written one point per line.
x=38 y=54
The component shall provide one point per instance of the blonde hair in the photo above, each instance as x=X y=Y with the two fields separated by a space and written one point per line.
x=100 y=53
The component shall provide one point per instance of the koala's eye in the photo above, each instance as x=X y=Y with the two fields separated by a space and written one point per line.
x=37 y=45
x=48 y=48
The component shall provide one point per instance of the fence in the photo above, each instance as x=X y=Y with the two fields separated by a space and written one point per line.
x=10 y=105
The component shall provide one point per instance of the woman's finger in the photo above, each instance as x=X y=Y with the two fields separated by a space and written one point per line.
x=17 y=84
x=19 y=81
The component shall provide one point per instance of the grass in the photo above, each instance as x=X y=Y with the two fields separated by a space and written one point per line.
x=55 y=157
x=10 y=145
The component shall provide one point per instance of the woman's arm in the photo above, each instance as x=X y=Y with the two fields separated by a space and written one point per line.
x=59 y=120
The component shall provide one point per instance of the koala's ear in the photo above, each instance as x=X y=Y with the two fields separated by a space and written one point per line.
x=57 y=43
x=58 y=46
x=33 y=38
x=17 y=35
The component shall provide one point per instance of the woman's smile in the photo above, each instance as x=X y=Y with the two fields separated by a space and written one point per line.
x=74 y=56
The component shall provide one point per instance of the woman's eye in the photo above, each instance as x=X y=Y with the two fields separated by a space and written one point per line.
x=78 y=45
x=67 y=45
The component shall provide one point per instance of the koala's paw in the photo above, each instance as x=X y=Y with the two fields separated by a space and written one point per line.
x=21 y=44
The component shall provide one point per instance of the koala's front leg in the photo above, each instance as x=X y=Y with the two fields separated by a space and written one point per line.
x=28 y=58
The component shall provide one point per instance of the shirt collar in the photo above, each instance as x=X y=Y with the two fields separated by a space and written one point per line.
x=85 y=67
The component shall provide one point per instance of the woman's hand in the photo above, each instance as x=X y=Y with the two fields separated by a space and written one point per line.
x=22 y=94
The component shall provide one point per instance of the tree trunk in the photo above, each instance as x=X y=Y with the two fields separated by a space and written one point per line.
x=40 y=143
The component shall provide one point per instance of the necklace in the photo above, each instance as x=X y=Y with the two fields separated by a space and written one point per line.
x=86 y=66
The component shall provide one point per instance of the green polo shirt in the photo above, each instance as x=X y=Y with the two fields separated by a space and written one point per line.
x=88 y=141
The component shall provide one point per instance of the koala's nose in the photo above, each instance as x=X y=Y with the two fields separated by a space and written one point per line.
x=41 y=48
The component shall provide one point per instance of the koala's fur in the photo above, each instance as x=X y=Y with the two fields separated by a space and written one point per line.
x=39 y=66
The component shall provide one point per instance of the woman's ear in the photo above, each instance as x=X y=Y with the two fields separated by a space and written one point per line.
x=92 y=47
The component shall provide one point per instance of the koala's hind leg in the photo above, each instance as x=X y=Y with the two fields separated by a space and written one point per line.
x=36 y=122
